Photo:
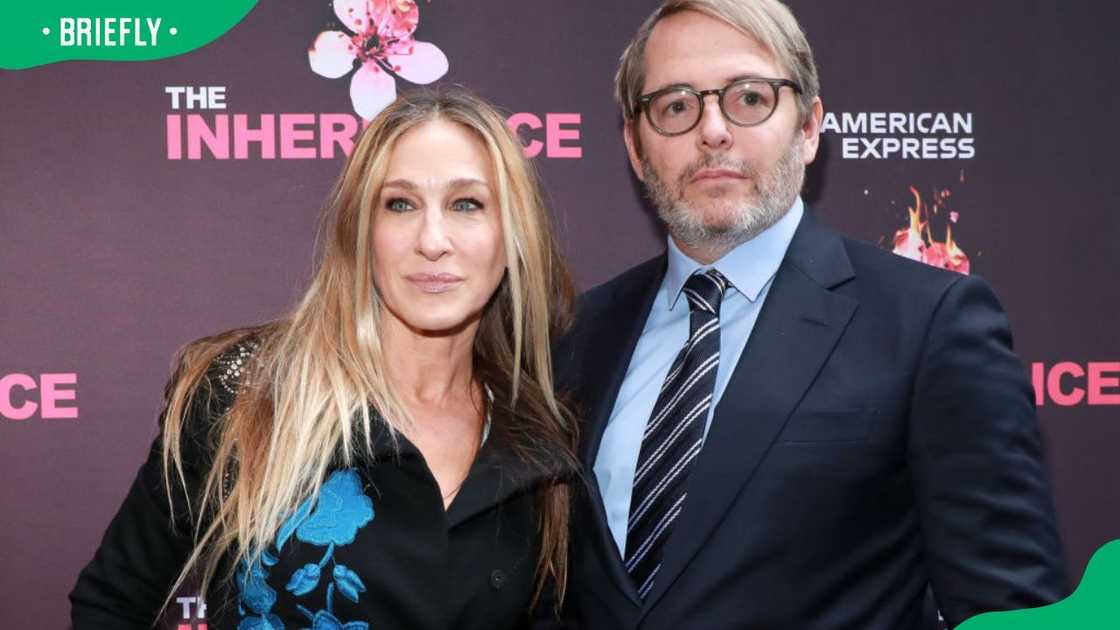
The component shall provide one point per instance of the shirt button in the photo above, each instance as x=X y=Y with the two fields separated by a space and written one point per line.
x=497 y=579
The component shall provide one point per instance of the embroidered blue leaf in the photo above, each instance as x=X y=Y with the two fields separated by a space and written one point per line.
x=304 y=580
x=290 y=525
x=327 y=556
x=264 y=622
x=268 y=559
x=256 y=594
x=348 y=582
x=342 y=509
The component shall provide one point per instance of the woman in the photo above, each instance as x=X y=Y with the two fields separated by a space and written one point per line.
x=392 y=454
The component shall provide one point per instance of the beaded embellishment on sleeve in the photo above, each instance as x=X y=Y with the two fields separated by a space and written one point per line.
x=230 y=366
x=232 y=362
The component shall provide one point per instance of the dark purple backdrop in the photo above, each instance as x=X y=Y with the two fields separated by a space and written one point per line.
x=112 y=256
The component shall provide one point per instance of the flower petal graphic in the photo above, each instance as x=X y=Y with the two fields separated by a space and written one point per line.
x=371 y=90
x=426 y=63
x=332 y=54
x=354 y=14
x=396 y=19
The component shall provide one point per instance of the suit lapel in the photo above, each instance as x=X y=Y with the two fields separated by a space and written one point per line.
x=796 y=331
x=610 y=343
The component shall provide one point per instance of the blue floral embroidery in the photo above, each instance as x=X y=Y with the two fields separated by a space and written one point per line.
x=256 y=594
x=348 y=582
x=325 y=619
x=290 y=525
x=304 y=580
x=340 y=511
x=264 y=622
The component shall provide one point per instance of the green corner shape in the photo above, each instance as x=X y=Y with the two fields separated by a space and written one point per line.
x=1095 y=605
x=40 y=33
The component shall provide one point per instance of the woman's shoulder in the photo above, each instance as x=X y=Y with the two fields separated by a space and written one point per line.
x=229 y=369
x=211 y=373
x=212 y=370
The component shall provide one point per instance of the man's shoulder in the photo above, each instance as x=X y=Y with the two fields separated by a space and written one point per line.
x=884 y=271
x=619 y=287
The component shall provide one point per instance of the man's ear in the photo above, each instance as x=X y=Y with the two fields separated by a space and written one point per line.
x=811 y=131
x=629 y=128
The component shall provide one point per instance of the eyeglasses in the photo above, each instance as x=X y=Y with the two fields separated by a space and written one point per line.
x=746 y=103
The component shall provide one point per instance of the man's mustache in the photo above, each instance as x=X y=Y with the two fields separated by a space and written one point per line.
x=742 y=168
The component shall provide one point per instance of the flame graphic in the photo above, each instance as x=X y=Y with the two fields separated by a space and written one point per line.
x=916 y=241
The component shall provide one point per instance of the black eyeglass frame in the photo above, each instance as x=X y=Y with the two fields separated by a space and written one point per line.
x=701 y=95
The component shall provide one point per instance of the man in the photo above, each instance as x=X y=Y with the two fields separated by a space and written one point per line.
x=816 y=434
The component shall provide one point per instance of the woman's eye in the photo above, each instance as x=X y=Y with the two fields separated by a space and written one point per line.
x=396 y=204
x=466 y=205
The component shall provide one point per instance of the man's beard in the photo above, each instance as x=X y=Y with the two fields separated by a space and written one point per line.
x=775 y=192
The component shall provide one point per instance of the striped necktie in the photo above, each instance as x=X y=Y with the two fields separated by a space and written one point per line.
x=674 y=433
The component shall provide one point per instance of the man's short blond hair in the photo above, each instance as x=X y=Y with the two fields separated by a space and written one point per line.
x=768 y=21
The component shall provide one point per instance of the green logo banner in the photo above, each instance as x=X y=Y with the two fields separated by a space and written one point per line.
x=1093 y=606
x=34 y=34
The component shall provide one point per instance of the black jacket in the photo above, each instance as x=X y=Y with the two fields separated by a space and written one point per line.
x=877 y=439
x=377 y=551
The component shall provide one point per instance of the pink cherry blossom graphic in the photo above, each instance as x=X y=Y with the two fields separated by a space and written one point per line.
x=383 y=42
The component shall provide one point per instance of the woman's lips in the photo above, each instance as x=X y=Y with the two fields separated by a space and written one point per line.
x=434 y=282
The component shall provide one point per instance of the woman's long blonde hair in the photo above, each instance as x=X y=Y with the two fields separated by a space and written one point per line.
x=306 y=395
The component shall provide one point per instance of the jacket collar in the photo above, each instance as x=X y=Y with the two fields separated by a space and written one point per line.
x=506 y=465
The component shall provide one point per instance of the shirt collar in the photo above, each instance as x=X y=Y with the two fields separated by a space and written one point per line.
x=748 y=267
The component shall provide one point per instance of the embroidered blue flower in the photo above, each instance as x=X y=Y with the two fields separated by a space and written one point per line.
x=348 y=582
x=256 y=594
x=264 y=622
x=342 y=509
x=289 y=527
x=325 y=619
x=304 y=580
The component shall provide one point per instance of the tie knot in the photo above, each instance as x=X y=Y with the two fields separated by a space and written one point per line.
x=705 y=291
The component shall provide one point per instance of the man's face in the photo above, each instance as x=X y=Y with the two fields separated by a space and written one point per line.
x=719 y=184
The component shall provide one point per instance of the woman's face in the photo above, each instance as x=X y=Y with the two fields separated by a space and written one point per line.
x=438 y=254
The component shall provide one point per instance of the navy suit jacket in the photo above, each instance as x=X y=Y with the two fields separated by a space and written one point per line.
x=876 y=442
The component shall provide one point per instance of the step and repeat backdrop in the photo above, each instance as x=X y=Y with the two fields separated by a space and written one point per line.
x=143 y=205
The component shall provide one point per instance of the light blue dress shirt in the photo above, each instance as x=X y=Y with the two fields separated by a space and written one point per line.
x=750 y=268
